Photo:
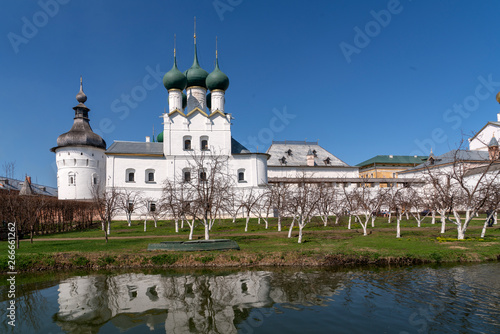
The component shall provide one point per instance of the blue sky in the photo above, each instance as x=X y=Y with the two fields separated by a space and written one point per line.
x=362 y=77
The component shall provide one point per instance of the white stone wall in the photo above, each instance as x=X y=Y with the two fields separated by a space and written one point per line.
x=118 y=165
x=178 y=127
x=316 y=172
x=481 y=141
x=196 y=98
x=83 y=163
x=174 y=100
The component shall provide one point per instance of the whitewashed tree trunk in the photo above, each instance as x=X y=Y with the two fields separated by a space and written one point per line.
x=155 y=220
x=246 y=223
x=324 y=219
x=336 y=220
x=433 y=221
x=176 y=225
x=291 y=227
x=398 y=226
x=258 y=220
x=349 y=224
x=182 y=222
x=145 y=220
x=103 y=226
x=109 y=227
x=129 y=219
x=389 y=219
x=407 y=215
x=373 y=221
x=191 y=229
x=207 y=234
x=443 y=221
x=495 y=218
x=483 y=232
x=279 y=222
x=301 y=226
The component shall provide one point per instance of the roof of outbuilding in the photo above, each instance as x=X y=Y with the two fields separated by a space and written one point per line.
x=451 y=156
x=298 y=156
x=17 y=185
x=136 y=148
x=394 y=159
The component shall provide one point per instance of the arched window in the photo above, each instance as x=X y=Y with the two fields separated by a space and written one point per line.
x=204 y=142
x=152 y=206
x=130 y=175
x=94 y=179
x=241 y=175
x=71 y=179
x=150 y=175
x=203 y=175
x=186 y=175
x=187 y=142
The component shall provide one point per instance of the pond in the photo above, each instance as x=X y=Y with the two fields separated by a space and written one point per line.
x=420 y=299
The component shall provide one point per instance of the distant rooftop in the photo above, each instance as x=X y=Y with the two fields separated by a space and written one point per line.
x=17 y=185
x=449 y=157
x=395 y=159
x=293 y=153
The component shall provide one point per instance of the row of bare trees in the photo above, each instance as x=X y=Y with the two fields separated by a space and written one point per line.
x=457 y=193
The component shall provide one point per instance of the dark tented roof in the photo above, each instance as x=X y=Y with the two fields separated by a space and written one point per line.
x=237 y=148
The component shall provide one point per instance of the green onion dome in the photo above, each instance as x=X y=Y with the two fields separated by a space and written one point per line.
x=196 y=76
x=209 y=101
x=174 y=79
x=184 y=100
x=159 y=138
x=217 y=79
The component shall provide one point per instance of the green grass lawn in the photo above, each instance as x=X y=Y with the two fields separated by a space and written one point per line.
x=261 y=246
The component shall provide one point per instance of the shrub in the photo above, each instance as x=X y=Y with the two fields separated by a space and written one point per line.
x=80 y=261
x=105 y=260
x=165 y=259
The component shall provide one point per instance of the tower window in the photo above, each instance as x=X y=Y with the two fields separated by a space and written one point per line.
x=130 y=206
x=204 y=143
x=187 y=142
x=71 y=179
x=203 y=175
x=94 y=179
x=152 y=206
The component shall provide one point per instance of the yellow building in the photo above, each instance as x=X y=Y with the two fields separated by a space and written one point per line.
x=388 y=166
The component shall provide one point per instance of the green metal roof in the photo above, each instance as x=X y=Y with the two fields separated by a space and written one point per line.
x=396 y=159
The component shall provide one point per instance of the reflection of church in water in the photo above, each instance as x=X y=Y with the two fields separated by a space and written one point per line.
x=183 y=303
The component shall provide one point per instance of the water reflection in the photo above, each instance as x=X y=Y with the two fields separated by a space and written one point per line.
x=184 y=303
x=405 y=300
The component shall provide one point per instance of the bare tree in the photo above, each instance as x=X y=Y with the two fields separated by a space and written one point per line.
x=303 y=203
x=211 y=187
x=249 y=201
x=129 y=202
x=106 y=204
x=280 y=194
x=464 y=186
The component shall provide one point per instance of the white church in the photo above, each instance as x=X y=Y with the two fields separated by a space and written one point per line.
x=196 y=123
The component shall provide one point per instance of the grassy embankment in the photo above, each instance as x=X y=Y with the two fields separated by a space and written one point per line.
x=330 y=245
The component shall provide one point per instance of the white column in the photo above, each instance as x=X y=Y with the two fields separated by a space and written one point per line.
x=217 y=100
x=196 y=98
x=174 y=100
